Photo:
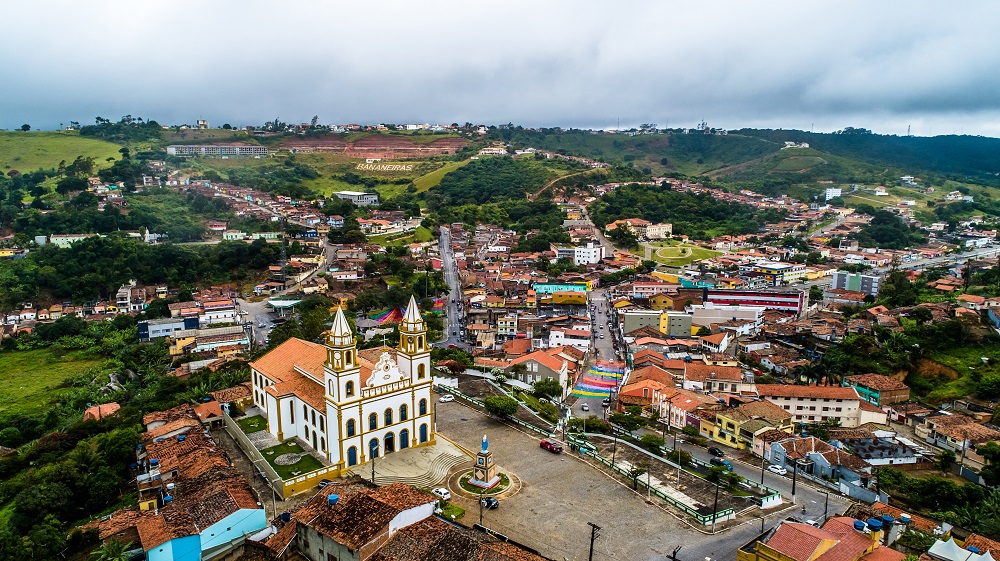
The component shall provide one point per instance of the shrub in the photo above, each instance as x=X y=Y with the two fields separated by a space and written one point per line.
x=652 y=443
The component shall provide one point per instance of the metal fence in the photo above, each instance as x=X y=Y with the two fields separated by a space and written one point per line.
x=479 y=403
x=705 y=519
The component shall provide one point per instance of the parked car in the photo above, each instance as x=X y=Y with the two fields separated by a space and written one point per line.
x=446 y=398
x=718 y=462
x=585 y=407
x=324 y=483
x=605 y=402
x=489 y=503
x=441 y=493
x=777 y=469
x=715 y=451
x=551 y=446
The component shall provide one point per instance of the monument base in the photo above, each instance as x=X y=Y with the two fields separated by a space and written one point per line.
x=485 y=484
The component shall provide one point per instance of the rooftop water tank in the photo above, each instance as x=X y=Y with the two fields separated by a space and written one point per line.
x=859 y=525
x=904 y=518
x=874 y=524
x=887 y=520
x=180 y=438
x=158 y=439
x=154 y=463
x=207 y=399
x=332 y=499
x=170 y=486
x=973 y=549
x=167 y=499
x=286 y=516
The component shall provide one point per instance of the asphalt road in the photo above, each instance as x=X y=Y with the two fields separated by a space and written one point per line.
x=454 y=312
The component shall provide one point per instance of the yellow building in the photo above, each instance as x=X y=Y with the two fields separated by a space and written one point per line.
x=840 y=539
x=570 y=297
x=737 y=426
x=661 y=302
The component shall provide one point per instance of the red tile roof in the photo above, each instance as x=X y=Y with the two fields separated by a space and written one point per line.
x=826 y=392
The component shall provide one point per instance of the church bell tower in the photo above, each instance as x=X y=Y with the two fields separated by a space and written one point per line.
x=413 y=354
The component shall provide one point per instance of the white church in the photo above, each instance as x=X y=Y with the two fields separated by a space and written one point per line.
x=349 y=405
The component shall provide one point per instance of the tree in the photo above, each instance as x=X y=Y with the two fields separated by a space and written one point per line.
x=500 y=405
x=25 y=127
x=945 y=460
x=991 y=453
x=921 y=315
x=227 y=127
x=703 y=331
x=636 y=471
x=653 y=443
x=627 y=422
x=547 y=387
x=679 y=457
x=113 y=550
x=815 y=294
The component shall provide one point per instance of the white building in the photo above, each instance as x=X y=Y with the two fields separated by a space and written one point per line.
x=815 y=404
x=659 y=231
x=587 y=254
x=832 y=192
x=349 y=405
x=708 y=313
x=358 y=198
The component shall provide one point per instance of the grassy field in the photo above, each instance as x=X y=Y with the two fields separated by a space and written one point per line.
x=252 y=424
x=305 y=464
x=963 y=360
x=29 y=151
x=30 y=380
x=677 y=254
x=420 y=235
x=195 y=136
x=797 y=163
x=431 y=180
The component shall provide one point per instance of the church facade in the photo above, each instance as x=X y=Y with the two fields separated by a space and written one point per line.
x=349 y=405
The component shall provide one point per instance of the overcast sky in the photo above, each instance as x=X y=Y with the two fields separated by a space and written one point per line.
x=823 y=65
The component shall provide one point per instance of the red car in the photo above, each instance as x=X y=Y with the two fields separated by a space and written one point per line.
x=551 y=446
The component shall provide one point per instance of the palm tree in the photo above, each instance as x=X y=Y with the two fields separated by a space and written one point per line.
x=112 y=550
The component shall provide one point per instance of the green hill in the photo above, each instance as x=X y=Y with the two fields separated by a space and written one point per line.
x=29 y=151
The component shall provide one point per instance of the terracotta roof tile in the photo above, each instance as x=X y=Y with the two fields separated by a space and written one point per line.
x=826 y=392
x=877 y=382
x=699 y=372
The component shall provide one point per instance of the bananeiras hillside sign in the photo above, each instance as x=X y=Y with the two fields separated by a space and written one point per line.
x=384 y=167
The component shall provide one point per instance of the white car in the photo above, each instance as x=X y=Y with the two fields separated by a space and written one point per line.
x=446 y=398
x=441 y=493
x=777 y=469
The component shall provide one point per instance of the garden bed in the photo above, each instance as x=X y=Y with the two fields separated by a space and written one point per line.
x=305 y=464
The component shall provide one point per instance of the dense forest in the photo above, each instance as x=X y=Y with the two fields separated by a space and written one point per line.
x=94 y=268
x=697 y=216
x=887 y=231
x=493 y=179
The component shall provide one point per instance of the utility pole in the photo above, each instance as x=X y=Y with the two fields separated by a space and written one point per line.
x=762 y=461
x=715 y=508
x=481 y=507
x=826 y=505
x=594 y=529
x=374 y=453
x=795 y=471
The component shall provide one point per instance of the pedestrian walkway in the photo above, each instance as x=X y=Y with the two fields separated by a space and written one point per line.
x=600 y=379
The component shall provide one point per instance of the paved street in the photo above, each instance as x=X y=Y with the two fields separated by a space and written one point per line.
x=560 y=494
x=454 y=314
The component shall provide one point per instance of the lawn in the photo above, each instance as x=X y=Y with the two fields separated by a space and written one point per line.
x=498 y=488
x=433 y=178
x=29 y=151
x=253 y=424
x=798 y=163
x=452 y=511
x=963 y=360
x=421 y=235
x=677 y=254
x=30 y=380
x=305 y=464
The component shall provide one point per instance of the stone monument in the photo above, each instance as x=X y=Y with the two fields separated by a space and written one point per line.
x=485 y=475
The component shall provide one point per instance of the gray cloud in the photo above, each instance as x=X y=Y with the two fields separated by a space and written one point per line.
x=572 y=63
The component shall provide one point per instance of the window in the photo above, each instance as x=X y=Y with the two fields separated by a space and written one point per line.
x=350 y=427
x=402 y=413
x=372 y=421
x=388 y=417
x=826 y=409
x=798 y=408
x=329 y=388
x=373 y=448
x=314 y=418
x=420 y=342
x=423 y=406
x=291 y=412
x=838 y=409
x=812 y=407
x=322 y=443
x=305 y=412
x=423 y=433
x=307 y=433
x=349 y=389
x=322 y=425
x=350 y=357
x=404 y=439
x=788 y=408
x=421 y=371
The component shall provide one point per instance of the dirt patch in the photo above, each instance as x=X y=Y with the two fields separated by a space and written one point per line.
x=376 y=146
x=933 y=369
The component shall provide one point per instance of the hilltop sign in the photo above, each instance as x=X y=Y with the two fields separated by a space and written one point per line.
x=384 y=167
